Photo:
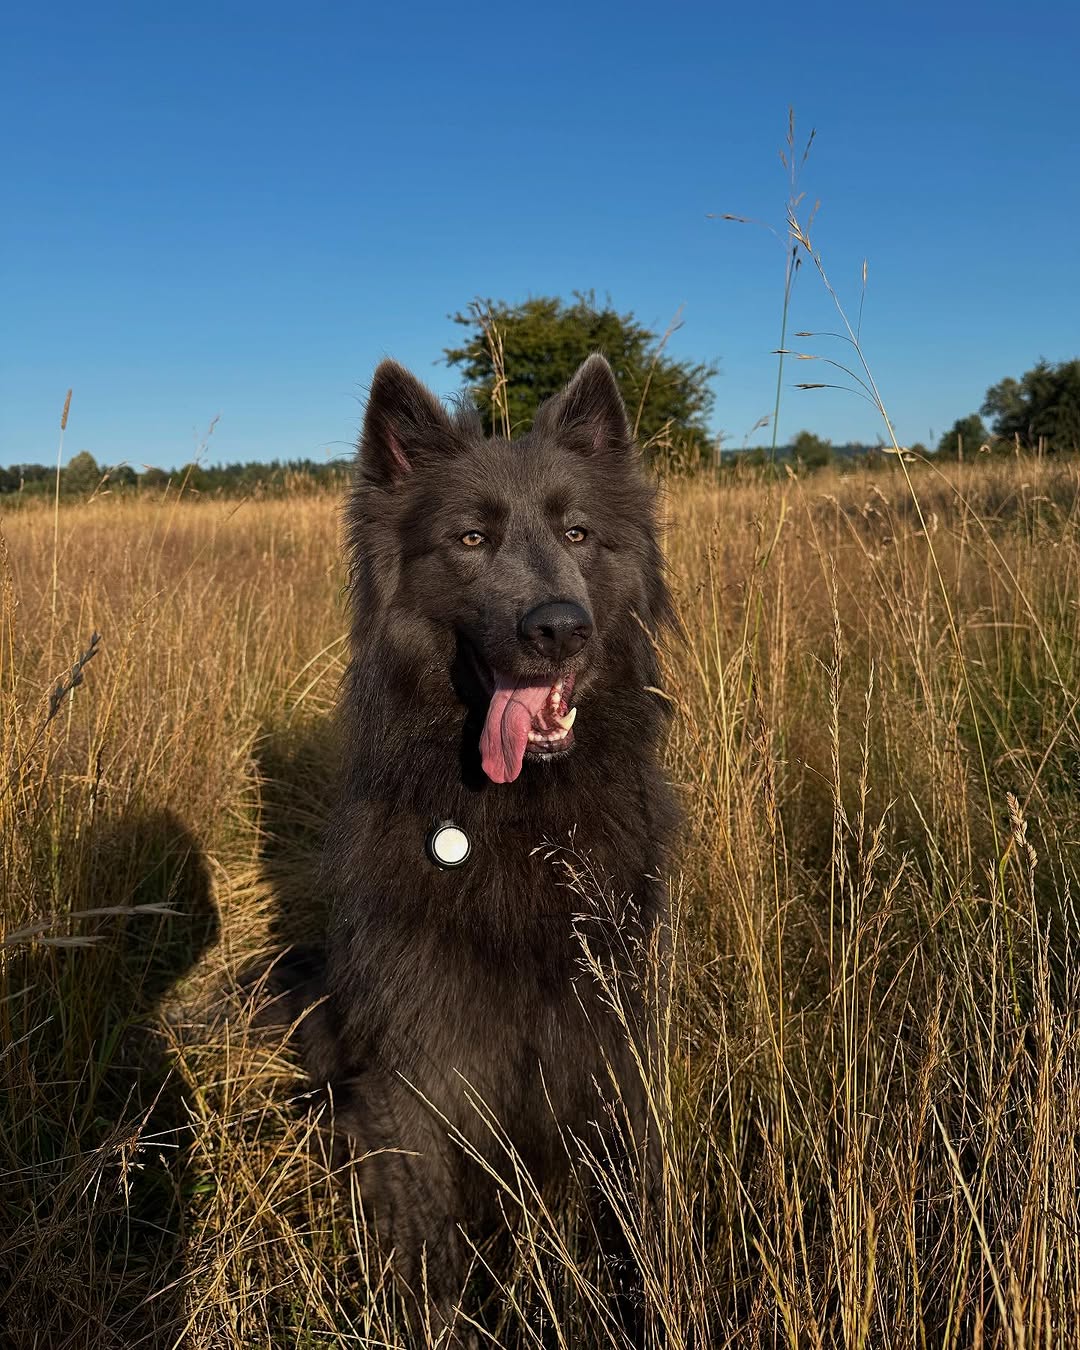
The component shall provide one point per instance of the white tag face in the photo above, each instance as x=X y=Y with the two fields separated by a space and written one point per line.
x=449 y=846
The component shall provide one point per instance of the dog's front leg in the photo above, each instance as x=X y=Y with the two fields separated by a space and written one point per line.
x=409 y=1181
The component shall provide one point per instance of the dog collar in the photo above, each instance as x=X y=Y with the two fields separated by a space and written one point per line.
x=447 y=845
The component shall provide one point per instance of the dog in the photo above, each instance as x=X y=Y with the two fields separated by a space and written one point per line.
x=501 y=704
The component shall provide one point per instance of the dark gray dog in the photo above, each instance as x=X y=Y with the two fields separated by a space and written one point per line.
x=506 y=599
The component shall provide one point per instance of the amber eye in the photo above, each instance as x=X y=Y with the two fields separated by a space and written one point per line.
x=472 y=539
x=576 y=535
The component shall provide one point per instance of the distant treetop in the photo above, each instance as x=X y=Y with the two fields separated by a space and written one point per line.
x=1043 y=405
x=1039 y=411
x=964 y=439
x=531 y=350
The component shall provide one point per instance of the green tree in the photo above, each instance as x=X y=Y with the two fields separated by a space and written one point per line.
x=964 y=438
x=541 y=342
x=811 y=451
x=82 y=474
x=122 y=476
x=192 y=477
x=1043 y=405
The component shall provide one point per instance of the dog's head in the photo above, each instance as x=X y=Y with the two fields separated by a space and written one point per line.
x=536 y=558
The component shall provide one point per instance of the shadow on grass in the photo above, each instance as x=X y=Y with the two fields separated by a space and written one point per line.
x=298 y=777
x=298 y=774
x=94 y=1138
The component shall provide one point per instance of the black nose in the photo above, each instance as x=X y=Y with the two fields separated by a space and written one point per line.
x=556 y=630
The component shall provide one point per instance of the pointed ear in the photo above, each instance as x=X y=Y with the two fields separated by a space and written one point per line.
x=589 y=412
x=404 y=421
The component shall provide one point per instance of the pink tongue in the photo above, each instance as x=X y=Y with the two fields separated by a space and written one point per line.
x=507 y=725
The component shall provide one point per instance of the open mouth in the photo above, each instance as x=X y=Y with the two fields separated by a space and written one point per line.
x=526 y=718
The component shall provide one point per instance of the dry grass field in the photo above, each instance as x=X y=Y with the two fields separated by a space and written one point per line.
x=872 y=1096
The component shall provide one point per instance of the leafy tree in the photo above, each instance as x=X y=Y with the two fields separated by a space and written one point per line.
x=122 y=476
x=82 y=474
x=543 y=341
x=811 y=451
x=33 y=479
x=1044 y=404
x=192 y=477
x=153 y=478
x=965 y=436
x=757 y=458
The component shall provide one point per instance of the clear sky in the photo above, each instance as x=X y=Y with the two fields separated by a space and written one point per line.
x=238 y=209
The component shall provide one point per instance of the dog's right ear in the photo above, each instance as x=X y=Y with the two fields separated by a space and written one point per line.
x=404 y=422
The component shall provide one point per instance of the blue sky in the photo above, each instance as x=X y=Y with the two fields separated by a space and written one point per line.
x=236 y=209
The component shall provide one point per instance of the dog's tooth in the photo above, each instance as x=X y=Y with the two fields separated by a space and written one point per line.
x=533 y=736
x=567 y=720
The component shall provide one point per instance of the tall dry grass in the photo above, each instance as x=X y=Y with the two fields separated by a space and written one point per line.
x=871 y=1103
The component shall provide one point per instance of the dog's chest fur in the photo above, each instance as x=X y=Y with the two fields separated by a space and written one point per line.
x=478 y=978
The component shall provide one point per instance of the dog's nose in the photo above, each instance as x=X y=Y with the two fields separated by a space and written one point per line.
x=556 y=630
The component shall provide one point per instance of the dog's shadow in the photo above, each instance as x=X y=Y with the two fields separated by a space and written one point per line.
x=95 y=1215
x=298 y=783
x=284 y=987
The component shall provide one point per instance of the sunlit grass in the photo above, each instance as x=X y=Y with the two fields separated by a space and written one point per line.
x=870 y=1107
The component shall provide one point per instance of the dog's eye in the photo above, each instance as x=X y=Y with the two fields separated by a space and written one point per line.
x=576 y=535
x=472 y=539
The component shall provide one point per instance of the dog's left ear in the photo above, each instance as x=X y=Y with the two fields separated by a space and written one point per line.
x=589 y=413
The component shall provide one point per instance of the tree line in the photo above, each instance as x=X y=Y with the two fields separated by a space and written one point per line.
x=83 y=477
x=512 y=357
